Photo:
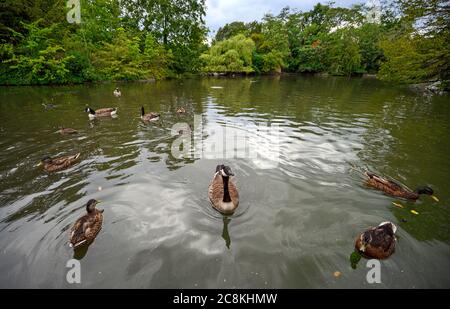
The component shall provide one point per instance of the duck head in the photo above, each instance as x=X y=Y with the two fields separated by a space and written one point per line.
x=224 y=170
x=89 y=110
x=90 y=206
x=424 y=190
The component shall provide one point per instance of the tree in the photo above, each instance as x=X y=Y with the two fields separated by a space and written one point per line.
x=231 y=55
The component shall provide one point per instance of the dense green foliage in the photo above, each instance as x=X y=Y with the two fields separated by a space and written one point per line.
x=160 y=38
x=130 y=40
x=408 y=43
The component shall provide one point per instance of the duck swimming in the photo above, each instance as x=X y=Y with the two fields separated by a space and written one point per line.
x=57 y=164
x=86 y=228
x=222 y=192
x=148 y=117
x=101 y=112
x=64 y=131
x=117 y=93
x=377 y=242
x=395 y=189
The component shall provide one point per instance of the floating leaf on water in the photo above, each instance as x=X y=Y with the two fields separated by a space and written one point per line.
x=435 y=198
x=398 y=205
x=414 y=212
x=337 y=274
x=355 y=257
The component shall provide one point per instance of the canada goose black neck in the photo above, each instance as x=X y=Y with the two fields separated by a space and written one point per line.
x=226 y=192
x=142 y=111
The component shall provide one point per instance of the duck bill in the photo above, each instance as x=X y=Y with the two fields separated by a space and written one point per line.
x=435 y=198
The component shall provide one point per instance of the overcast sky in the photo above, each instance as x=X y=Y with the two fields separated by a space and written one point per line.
x=220 y=12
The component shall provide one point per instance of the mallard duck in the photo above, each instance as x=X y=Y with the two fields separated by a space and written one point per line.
x=57 y=164
x=63 y=130
x=101 y=112
x=377 y=242
x=150 y=116
x=86 y=228
x=181 y=110
x=117 y=93
x=222 y=192
x=395 y=189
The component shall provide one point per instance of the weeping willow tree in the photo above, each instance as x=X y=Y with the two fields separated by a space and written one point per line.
x=231 y=55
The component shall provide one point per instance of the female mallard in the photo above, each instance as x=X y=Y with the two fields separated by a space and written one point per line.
x=222 y=192
x=102 y=112
x=377 y=242
x=64 y=131
x=57 y=164
x=148 y=117
x=181 y=110
x=395 y=189
x=86 y=228
x=117 y=93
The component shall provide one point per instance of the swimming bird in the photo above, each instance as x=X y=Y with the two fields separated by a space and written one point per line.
x=377 y=242
x=150 y=116
x=57 y=164
x=63 y=130
x=101 y=112
x=181 y=110
x=86 y=228
x=117 y=93
x=222 y=192
x=393 y=188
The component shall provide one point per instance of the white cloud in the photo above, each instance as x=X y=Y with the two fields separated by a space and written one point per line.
x=220 y=12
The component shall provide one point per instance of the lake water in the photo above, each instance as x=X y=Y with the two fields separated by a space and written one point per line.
x=296 y=145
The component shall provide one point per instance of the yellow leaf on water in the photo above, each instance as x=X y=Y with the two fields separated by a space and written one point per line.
x=435 y=198
x=337 y=274
x=414 y=212
x=397 y=205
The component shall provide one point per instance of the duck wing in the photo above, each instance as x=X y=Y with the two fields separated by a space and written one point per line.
x=384 y=183
x=215 y=190
x=104 y=110
x=379 y=238
x=65 y=160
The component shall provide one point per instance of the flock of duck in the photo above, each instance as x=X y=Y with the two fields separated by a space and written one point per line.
x=376 y=242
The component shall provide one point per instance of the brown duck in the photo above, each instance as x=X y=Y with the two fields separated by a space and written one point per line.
x=86 y=228
x=395 y=189
x=222 y=192
x=64 y=131
x=57 y=164
x=377 y=242
x=148 y=117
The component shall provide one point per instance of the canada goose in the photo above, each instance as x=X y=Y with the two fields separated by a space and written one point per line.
x=117 y=93
x=57 y=164
x=102 y=112
x=222 y=192
x=86 y=228
x=395 y=189
x=148 y=117
x=377 y=242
